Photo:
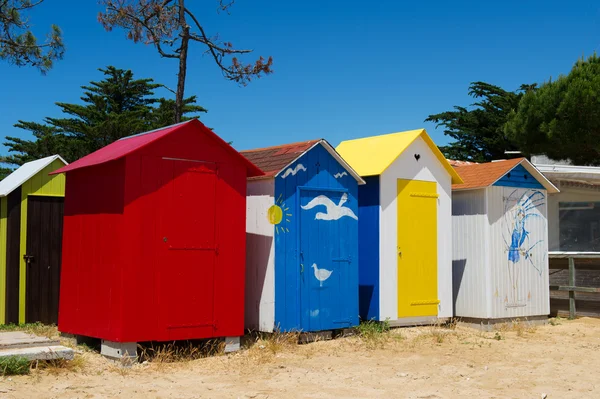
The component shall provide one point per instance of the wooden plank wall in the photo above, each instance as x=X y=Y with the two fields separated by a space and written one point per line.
x=587 y=275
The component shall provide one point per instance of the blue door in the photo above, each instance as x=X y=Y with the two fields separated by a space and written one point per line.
x=328 y=275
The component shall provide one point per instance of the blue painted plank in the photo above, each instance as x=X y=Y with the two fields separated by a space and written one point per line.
x=368 y=239
x=299 y=303
x=519 y=177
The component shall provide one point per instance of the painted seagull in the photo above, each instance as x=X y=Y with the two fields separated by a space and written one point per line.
x=334 y=212
x=321 y=274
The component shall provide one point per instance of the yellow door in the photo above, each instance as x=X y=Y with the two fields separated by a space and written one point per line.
x=417 y=248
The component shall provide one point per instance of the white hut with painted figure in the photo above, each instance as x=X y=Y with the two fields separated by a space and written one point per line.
x=500 y=242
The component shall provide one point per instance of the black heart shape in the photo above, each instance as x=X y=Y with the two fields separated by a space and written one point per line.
x=417 y=157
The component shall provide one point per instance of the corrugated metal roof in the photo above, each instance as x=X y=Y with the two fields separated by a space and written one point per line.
x=486 y=174
x=370 y=156
x=127 y=145
x=24 y=173
x=273 y=160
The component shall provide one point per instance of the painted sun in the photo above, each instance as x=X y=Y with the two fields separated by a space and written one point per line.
x=278 y=215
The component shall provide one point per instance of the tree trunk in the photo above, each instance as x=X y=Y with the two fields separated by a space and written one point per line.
x=185 y=38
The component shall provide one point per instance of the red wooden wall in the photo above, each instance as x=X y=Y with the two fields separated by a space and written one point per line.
x=154 y=248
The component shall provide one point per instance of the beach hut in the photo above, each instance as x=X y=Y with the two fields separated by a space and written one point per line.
x=154 y=240
x=302 y=235
x=405 y=232
x=500 y=233
x=31 y=218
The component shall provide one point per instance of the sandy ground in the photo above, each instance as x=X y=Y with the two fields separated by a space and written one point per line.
x=560 y=360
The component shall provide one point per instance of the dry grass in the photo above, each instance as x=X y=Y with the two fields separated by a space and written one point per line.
x=59 y=366
x=520 y=327
x=440 y=331
x=556 y=321
x=180 y=351
x=265 y=347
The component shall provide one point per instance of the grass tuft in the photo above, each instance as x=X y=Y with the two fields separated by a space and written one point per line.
x=267 y=346
x=14 y=365
x=374 y=333
x=555 y=321
x=57 y=366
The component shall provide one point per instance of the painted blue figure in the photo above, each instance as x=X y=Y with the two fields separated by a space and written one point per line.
x=518 y=211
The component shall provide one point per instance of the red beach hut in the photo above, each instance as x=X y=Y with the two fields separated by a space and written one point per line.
x=154 y=240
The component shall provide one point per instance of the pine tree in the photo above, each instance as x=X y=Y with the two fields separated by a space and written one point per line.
x=562 y=118
x=478 y=131
x=116 y=107
x=18 y=45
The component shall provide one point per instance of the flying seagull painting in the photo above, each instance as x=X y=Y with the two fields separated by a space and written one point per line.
x=332 y=211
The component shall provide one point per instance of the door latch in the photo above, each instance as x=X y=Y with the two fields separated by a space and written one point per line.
x=28 y=258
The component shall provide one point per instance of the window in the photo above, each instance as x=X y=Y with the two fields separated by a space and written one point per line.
x=579 y=226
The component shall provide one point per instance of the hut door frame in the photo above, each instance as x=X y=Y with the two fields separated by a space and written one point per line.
x=417 y=241
x=334 y=314
x=180 y=245
x=43 y=258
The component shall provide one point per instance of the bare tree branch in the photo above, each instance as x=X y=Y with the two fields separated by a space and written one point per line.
x=163 y=24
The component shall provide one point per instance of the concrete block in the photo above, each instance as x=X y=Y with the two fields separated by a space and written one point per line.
x=40 y=352
x=20 y=339
x=232 y=344
x=118 y=350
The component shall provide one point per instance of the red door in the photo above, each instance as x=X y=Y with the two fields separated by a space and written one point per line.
x=187 y=226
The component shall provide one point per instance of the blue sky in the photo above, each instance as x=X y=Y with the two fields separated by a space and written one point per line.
x=343 y=69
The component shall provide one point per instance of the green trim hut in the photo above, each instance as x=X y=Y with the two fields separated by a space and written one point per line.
x=31 y=220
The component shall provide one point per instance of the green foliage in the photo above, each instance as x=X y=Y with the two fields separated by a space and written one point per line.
x=5 y=172
x=374 y=333
x=18 y=45
x=562 y=118
x=115 y=107
x=478 y=131
x=14 y=365
x=372 y=327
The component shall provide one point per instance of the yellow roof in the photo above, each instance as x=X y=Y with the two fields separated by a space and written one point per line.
x=370 y=156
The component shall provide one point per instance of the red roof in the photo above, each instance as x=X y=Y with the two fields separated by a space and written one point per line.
x=127 y=145
x=273 y=159
x=478 y=175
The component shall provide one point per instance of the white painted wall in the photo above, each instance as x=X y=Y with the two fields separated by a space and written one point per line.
x=531 y=297
x=470 y=263
x=428 y=168
x=260 y=257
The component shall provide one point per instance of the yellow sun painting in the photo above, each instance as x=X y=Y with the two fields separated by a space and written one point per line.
x=277 y=214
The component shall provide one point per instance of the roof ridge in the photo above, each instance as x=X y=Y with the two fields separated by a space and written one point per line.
x=386 y=135
x=280 y=146
x=121 y=148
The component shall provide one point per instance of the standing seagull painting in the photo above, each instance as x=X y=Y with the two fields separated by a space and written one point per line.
x=333 y=211
x=321 y=274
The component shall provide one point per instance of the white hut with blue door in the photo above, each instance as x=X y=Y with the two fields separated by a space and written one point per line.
x=500 y=241
x=302 y=239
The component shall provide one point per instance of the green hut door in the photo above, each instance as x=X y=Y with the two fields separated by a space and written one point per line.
x=43 y=258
